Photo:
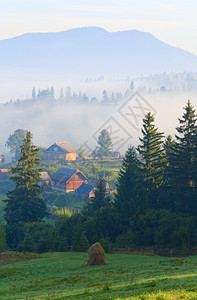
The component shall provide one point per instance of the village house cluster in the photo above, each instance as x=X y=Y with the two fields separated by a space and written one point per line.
x=68 y=179
x=65 y=179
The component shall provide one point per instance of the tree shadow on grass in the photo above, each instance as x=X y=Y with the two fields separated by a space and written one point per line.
x=180 y=283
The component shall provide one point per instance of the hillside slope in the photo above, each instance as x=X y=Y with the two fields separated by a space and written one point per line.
x=66 y=276
x=91 y=51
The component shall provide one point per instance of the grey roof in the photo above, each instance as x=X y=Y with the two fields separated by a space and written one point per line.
x=44 y=176
x=63 y=174
x=85 y=188
x=65 y=147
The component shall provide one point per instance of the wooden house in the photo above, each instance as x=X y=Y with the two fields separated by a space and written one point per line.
x=2 y=159
x=44 y=179
x=61 y=150
x=67 y=179
x=4 y=172
x=85 y=191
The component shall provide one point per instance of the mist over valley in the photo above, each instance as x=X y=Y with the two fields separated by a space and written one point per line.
x=79 y=123
x=72 y=56
x=100 y=70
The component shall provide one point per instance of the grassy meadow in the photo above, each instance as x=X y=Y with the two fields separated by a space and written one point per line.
x=125 y=276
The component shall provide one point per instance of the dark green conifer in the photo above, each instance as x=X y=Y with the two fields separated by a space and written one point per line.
x=130 y=199
x=152 y=158
x=151 y=151
x=101 y=198
x=183 y=161
x=167 y=194
x=24 y=203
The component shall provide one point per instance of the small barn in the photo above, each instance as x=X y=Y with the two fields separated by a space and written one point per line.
x=85 y=191
x=61 y=150
x=67 y=179
x=2 y=159
x=44 y=179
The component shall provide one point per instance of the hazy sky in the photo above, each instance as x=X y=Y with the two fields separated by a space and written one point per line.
x=173 y=21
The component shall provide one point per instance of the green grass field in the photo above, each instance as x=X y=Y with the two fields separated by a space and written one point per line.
x=125 y=276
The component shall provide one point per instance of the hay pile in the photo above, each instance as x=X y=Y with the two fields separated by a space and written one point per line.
x=96 y=255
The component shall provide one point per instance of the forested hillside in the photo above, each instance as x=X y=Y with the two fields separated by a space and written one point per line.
x=153 y=204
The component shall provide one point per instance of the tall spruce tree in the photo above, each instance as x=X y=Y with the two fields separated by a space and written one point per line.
x=130 y=199
x=101 y=198
x=152 y=154
x=183 y=161
x=104 y=142
x=168 y=195
x=24 y=203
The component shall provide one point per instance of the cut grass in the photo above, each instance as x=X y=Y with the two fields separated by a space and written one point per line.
x=61 y=199
x=10 y=257
x=66 y=276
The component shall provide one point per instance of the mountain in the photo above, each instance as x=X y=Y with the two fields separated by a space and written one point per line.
x=91 y=51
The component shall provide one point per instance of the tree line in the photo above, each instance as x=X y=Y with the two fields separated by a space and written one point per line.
x=47 y=97
x=155 y=203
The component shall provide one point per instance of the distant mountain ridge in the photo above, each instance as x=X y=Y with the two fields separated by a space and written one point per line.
x=91 y=51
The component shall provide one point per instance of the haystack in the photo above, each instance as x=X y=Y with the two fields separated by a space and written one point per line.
x=96 y=255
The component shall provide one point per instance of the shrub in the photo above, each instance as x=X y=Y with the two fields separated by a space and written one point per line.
x=125 y=240
x=39 y=237
x=105 y=243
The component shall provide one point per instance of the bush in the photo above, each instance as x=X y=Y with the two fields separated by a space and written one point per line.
x=14 y=235
x=71 y=233
x=105 y=243
x=125 y=240
x=39 y=237
x=79 y=240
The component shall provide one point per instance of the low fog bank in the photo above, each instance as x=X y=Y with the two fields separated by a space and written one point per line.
x=53 y=124
x=78 y=124
x=22 y=89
